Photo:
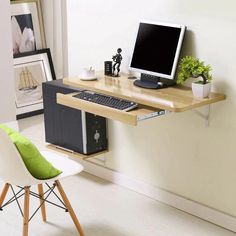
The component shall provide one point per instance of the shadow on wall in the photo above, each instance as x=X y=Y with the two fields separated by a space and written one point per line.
x=188 y=48
x=222 y=86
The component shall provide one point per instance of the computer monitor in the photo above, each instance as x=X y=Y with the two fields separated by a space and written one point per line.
x=156 y=53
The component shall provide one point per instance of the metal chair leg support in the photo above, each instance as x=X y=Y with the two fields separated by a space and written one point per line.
x=69 y=207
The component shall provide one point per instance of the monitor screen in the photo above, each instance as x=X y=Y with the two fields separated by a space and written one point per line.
x=157 y=48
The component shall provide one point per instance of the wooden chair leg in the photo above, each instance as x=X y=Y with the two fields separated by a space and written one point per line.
x=26 y=212
x=4 y=193
x=43 y=209
x=69 y=207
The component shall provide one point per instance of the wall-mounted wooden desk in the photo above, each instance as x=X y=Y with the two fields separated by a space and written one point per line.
x=175 y=99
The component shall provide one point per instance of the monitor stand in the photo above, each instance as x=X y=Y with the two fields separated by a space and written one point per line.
x=148 y=81
x=152 y=82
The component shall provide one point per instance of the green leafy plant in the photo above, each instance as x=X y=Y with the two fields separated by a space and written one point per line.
x=193 y=67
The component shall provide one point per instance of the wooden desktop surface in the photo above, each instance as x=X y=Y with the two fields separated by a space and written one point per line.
x=176 y=99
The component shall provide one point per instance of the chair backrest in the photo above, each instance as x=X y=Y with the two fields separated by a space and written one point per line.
x=12 y=167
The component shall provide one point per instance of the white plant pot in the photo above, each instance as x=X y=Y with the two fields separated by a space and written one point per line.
x=201 y=90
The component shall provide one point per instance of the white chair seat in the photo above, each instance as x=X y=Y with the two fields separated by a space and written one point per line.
x=67 y=166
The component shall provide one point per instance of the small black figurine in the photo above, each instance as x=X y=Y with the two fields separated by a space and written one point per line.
x=117 y=59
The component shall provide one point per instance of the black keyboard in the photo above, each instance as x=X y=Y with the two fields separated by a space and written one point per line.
x=105 y=100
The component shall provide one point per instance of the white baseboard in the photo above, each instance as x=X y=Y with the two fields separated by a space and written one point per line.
x=204 y=212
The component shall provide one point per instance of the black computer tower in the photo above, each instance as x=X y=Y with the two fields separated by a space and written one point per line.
x=70 y=128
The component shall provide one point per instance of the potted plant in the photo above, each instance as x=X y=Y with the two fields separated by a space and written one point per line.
x=193 y=67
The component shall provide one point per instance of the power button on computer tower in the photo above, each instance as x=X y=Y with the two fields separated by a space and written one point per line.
x=96 y=136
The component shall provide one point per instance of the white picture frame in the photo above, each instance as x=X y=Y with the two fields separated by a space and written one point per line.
x=27 y=22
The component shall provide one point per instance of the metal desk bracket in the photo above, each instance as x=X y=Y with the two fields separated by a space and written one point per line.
x=204 y=114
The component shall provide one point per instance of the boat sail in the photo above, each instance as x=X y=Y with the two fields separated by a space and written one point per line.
x=27 y=81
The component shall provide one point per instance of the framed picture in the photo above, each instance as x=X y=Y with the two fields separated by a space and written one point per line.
x=31 y=69
x=27 y=26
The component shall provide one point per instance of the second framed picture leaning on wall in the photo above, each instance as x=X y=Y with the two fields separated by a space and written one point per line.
x=31 y=69
x=27 y=26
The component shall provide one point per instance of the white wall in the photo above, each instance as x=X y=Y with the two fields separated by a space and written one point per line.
x=7 y=101
x=54 y=14
x=177 y=152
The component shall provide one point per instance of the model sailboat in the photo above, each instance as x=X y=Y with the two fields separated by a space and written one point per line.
x=27 y=81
